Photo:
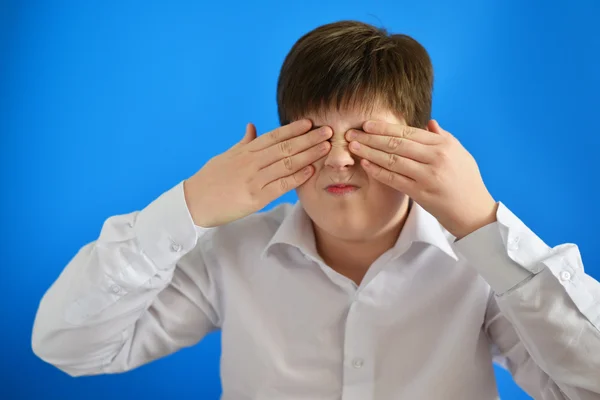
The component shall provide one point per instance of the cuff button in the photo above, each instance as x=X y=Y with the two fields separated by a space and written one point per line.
x=176 y=247
x=565 y=275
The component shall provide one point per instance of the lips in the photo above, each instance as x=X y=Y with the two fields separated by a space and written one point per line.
x=341 y=189
x=341 y=186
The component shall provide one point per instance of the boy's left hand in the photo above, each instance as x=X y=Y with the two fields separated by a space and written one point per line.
x=431 y=167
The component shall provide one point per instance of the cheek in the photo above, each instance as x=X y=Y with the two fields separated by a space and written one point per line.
x=319 y=164
x=313 y=181
x=383 y=194
x=308 y=188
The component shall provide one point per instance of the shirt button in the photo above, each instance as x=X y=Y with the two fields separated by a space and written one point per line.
x=358 y=363
x=115 y=289
x=176 y=247
x=565 y=275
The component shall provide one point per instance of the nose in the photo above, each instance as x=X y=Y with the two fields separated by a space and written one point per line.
x=339 y=156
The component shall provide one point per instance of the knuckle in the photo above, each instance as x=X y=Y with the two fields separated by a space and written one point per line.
x=436 y=176
x=274 y=135
x=390 y=177
x=284 y=185
x=406 y=132
x=440 y=156
x=287 y=163
x=392 y=160
x=394 y=142
x=297 y=177
x=379 y=173
x=285 y=147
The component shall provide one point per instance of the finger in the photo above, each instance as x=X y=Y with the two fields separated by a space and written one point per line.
x=396 y=181
x=280 y=134
x=293 y=146
x=250 y=133
x=390 y=161
x=403 y=131
x=283 y=185
x=393 y=144
x=434 y=127
x=291 y=164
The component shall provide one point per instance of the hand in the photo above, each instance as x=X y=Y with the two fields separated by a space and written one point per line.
x=255 y=172
x=431 y=167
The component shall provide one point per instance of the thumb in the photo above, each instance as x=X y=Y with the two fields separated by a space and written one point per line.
x=434 y=127
x=250 y=134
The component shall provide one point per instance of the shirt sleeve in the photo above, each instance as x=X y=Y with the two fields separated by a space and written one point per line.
x=112 y=307
x=543 y=316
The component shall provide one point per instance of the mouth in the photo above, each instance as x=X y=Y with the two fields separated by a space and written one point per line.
x=341 y=189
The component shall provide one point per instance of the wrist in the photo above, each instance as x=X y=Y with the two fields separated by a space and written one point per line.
x=190 y=201
x=473 y=223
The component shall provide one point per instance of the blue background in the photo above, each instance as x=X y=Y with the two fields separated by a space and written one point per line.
x=105 y=105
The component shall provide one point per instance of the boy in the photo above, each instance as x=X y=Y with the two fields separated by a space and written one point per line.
x=396 y=276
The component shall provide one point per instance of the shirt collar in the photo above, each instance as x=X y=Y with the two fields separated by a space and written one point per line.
x=296 y=230
x=422 y=227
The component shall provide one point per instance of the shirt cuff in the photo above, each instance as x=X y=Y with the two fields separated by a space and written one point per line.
x=165 y=229
x=505 y=253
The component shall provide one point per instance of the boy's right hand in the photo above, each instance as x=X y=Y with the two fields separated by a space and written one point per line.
x=255 y=172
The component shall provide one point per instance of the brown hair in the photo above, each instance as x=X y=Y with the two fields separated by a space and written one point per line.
x=354 y=65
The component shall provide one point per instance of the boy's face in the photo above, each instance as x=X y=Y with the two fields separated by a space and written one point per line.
x=363 y=212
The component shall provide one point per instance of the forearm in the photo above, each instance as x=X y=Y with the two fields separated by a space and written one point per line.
x=90 y=312
x=558 y=336
x=546 y=297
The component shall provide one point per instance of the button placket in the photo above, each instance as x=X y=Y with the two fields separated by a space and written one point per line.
x=358 y=362
x=358 y=373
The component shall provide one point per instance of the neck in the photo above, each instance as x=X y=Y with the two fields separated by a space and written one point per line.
x=353 y=258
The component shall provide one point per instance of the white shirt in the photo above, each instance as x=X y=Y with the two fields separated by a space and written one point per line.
x=426 y=322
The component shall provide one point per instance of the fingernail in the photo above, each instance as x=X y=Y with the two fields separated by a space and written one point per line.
x=355 y=146
x=352 y=135
x=369 y=125
x=307 y=170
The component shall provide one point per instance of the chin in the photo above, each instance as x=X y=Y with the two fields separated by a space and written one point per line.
x=350 y=235
x=347 y=228
x=360 y=217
